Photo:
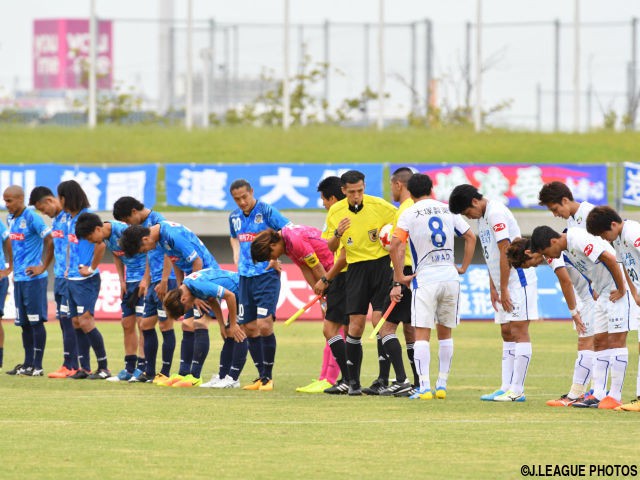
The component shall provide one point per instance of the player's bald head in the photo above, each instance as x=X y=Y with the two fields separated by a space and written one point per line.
x=14 y=191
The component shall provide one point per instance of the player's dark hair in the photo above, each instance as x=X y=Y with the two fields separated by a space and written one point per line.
x=74 y=197
x=402 y=175
x=331 y=187
x=131 y=239
x=516 y=252
x=39 y=193
x=172 y=304
x=600 y=218
x=86 y=224
x=541 y=238
x=261 y=245
x=553 y=192
x=419 y=185
x=239 y=183
x=351 y=177
x=461 y=198
x=124 y=205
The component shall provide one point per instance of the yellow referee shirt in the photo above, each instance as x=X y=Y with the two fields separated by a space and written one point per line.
x=360 y=240
x=326 y=234
x=408 y=261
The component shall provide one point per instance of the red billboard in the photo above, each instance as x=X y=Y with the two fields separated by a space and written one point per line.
x=61 y=54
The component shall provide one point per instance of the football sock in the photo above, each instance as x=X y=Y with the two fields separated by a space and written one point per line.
x=130 y=363
x=150 y=347
x=384 y=365
x=619 y=362
x=200 y=350
x=416 y=379
x=422 y=357
x=520 y=366
x=508 y=358
x=393 y=351
x=445 y=356
x=1 y=355
x=339 y=352
x=27 y=343
x=84 y=347
x=581 y=373
x=239 y=358
x=326 y=354
x=168 y=348
x=226 y=355
x=600 y=373
x=97 y=343
x=39 y=342
x=333 y=370
x=269 y=352
x=354 y=359
x=142 y=362
x=186 y=353
x=255 y=349
x=69 y=343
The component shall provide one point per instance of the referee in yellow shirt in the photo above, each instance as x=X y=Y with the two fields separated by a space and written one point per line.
x=355 y=222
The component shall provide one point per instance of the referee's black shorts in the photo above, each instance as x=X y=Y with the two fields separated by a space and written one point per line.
x=336 y=297
x=401 y=313
x=368 y=283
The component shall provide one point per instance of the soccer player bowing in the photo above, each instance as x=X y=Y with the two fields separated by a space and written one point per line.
x=430 y=229
x=596 y=260
x=514 y=292
x=204 y=290
x=32 y=250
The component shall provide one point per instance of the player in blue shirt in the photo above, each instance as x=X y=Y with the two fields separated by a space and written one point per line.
x=204 y=290
x=188 y=254
x=83 y=284
x=5 y=271
x=259 y=282
x=32 y=251
x=130 y=272
x=153 y=286
x=43 y=199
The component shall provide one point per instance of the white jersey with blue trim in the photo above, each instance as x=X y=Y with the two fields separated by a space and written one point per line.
x=583 y=252
x=498 y=224
x=627 y=247
x=431 y=228
x=579 y=219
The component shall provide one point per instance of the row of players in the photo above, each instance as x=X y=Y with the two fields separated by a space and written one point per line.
x=429 y=227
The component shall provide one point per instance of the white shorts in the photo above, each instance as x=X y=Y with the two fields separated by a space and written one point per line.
x=436 y=302
x=525 y=305
x=588 y=313
x=613 y=317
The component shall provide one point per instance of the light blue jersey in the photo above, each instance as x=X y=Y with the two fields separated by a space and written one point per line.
x=60 y=243
x=4 y=234
x=183 y=247
x=246 y=227
x=134 y=266
x=156 y=256
x=211 y=283
x=80 y=250
x=27 y=232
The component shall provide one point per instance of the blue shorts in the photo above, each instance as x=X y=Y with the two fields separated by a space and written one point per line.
x=83 y=295
x=153 y=305
x=4 y=288
x=139 y=307
x=61 y=295
x=258 y=296
x=195 y=313
x=31 y=301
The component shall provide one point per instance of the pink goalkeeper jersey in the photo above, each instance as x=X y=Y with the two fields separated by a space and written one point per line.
x=305 y=246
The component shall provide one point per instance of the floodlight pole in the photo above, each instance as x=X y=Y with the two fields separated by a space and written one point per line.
x=286 y=100
x=92 y=114
x=381 y=65
x=576 y=66
x=477 y=110
x=188 y=117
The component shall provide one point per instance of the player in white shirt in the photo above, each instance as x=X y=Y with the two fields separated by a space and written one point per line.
x=516 y=302
x=558 y=199
x=430 y=228
x=625 y=237
x=596 y=260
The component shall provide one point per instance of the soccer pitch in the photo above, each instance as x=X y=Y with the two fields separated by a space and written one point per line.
x=99 y=430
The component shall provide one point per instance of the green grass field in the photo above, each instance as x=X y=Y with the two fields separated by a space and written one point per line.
x=98 y=430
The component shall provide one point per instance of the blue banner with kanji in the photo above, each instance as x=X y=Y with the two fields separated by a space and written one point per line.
x=631 y=184
x=285 y=186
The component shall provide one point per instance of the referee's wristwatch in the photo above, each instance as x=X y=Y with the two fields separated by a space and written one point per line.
x=397 y=284
x=336 y=233
x=324 y=280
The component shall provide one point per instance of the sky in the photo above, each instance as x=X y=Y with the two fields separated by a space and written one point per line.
x=519 y=57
